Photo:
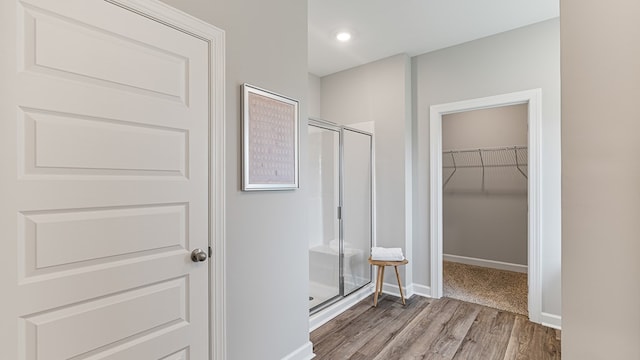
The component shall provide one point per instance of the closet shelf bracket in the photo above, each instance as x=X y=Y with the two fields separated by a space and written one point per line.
x=509 y=156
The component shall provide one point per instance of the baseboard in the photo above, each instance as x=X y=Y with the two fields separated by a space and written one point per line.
x=304 y=352
x=486 y=263
x=421 y=290
x=409 y=291
x=551 y=320
x=321 y=317
x=392 y=289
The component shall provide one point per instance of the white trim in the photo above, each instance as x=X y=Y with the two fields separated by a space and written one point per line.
x=392 y=289
x=409 y=290
x=534 y=99
x=485 y=263
x=218 y=204
x=177 y=19
x=551 y=320
x=435 y=193
x=374 y=191
x=323 y=316
x=304 y=352
x=408 y=172
x=158 y=10
x=421 y=290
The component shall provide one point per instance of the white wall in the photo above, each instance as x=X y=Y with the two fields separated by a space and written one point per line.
x=379 y=92
x=521 y=59
x=267 y=252
x=601 y=179
x=487 y=223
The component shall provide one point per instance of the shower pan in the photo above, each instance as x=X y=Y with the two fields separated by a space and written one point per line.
x=340 y=211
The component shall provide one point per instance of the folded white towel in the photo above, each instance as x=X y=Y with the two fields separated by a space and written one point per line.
x=386 y=254
x=381 y=250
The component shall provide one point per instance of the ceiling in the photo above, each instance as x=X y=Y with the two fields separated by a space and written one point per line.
x=383 y=28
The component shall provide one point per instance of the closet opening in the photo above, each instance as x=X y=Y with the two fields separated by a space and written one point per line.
x=487 y=171
x=484 y=205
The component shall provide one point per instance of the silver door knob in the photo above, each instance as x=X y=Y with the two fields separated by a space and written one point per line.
x=198 y=255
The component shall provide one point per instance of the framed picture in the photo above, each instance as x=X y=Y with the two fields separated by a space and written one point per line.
x=270 y=140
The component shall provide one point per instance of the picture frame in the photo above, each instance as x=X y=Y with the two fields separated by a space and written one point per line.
x=270 y=135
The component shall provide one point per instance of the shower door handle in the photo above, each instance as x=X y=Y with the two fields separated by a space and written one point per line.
x=339 y=212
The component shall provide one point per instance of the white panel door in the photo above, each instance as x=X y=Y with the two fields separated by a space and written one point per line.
x=104 y=118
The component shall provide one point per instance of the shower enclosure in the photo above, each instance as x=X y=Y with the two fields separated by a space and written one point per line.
x=340 y=211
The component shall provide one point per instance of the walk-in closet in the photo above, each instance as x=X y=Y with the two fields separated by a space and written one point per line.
x=485 y=204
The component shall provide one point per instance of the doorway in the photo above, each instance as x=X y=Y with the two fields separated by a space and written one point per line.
x=484 y=205
x=532 y=98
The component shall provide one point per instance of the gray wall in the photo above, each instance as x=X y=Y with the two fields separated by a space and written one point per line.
x=379 y=92
x=521 y=59
x=493 y=127
x=487 y=223
x=314 y=99
x=601 y=179
x=267 y=252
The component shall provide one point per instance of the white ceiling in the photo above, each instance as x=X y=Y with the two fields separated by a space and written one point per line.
x=383 y=28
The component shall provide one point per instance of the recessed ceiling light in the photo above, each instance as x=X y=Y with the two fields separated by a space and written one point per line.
x=343 y=36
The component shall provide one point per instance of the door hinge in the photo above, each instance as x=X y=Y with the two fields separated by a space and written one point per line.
x=339 y=212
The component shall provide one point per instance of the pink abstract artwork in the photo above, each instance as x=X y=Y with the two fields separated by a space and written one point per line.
x=272 y=141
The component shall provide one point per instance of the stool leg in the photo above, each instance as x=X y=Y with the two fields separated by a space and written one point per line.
x=381 y=279
x=399 y=285
x=375 y=295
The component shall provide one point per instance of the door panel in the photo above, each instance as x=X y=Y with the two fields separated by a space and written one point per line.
x=104 y=120
x=159 y=150
x=46 y=331
x=99 y=234
x=61 y=46
x=324 y=224
x=357 y=209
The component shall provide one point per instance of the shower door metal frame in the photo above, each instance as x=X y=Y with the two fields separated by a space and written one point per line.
x=335 y=128
x=327 y=125
x=371 y=206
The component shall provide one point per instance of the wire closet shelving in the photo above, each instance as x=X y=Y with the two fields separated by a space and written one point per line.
x=495 y=157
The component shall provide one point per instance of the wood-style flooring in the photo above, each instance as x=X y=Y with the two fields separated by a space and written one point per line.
x=440 y=329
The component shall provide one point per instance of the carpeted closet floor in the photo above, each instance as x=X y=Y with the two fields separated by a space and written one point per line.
x=499 y=289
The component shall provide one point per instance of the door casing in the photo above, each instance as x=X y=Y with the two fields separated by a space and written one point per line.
x=216 y=39
x=533 y=98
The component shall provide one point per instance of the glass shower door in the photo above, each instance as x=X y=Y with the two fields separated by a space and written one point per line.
x=356 y=214
x=324 y=226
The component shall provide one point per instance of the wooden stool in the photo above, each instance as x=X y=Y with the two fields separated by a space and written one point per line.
x=381 y=264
